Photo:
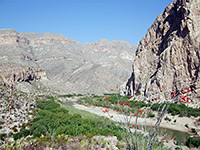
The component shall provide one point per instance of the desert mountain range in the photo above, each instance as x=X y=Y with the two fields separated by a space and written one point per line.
x=168 y=55
x=63 y=65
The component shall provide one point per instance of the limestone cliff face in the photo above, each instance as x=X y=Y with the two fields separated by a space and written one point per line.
x=16 y=74
x=169 y=54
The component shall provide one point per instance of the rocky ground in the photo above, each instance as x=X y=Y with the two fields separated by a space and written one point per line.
x=23 y=109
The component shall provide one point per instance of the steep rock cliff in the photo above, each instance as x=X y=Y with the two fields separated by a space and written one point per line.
x=169 y=54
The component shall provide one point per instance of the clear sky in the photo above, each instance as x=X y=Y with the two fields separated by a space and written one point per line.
x=83 y=20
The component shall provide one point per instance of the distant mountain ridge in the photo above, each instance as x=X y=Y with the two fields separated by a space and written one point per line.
x=62 y=64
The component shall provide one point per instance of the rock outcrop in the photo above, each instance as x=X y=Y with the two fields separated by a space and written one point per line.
x=169 y=54
x=15 y=74
x=66 y=65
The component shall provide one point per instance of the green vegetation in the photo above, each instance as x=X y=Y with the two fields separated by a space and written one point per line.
x=193 y=142
x=151 y=115
x=70 y=95
x=51 y=116
x=179 y=109
x=174 y=109
x=112 y=103
x=178 y=148
x=167 y=118
x=55 y=125
x=2 y=136
x=61 y=123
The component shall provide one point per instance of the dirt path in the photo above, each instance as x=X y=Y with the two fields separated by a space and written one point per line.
x=178 y=126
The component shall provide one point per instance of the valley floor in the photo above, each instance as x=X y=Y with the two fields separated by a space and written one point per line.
x=179 y=125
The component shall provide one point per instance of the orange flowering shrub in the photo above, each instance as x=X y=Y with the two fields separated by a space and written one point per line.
x=127 y=119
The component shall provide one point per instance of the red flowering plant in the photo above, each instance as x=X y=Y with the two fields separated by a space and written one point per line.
x=131 y=121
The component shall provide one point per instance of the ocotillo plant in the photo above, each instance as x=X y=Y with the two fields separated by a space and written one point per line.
x=130 y=126
x=9 y=118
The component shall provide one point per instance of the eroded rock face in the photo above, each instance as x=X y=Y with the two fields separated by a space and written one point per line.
x=67 y=66
x=10 y=75
x=169 y=54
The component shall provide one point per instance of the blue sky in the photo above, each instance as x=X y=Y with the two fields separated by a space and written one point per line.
x=83 y=20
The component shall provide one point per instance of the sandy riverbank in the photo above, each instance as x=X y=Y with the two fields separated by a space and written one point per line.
x=179 y=125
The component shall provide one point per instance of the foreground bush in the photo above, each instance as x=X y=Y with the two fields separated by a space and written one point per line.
x=193 y=142
x=52 y=120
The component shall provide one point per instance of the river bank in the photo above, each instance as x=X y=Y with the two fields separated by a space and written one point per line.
x=180 y=126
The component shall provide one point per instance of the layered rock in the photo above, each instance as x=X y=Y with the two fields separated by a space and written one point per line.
x=16 y=74
x=169 y=54
x=67 y=66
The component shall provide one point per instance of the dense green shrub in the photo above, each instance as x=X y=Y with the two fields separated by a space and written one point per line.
x=22 y=133
x=70 y=95
x=3 y=136
x=47 y=105
x=167 y=118
x=150 y=114
x=139 y=104
x=179 y=109
x=67 y=95
x=50 y=116
x=111 y=102
x=193 y=142
x=178 y=148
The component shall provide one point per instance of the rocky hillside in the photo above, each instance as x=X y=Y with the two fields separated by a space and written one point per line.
x=169 y=54
x=62 y=64
x=23 y=109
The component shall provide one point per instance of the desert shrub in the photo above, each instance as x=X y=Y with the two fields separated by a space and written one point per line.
x=138 y=104
x=178 y=148
x=70 y=95
x=193 y=142
x=96 y=96
x=51 y=117
x=3 y=136
x=67 y=95
x=112 y=103
x=151 y=114
x=50 y=97
x=167 y=118
x=47 y=105
x=22 y=133
x=80 y=101
x=179 y=109
x=155 y=106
